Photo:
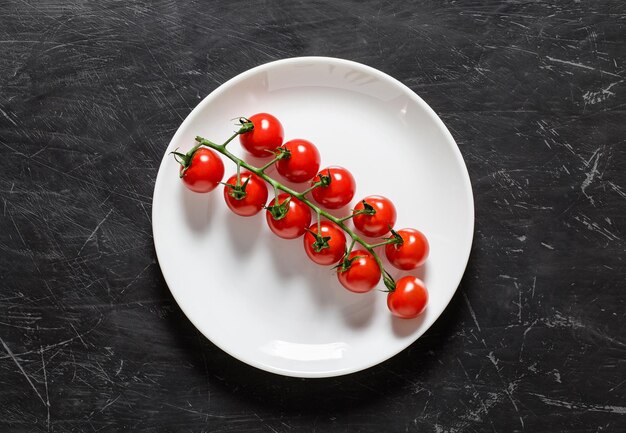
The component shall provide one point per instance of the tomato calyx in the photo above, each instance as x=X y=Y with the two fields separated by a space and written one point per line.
x=246 y=125
x=282 y=153
x=320 y=243
x=325 y=179
x=184 y=159
x=346 y=263
x=395 y=238
x=279 y=210
x=238 y=191
x=368 y=209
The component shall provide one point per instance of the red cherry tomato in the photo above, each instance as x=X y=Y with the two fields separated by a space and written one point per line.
x=412 y=253
x=409 y=299
x=340 y=190
x=379 y=223
x=266 y=136
x=205 y=171
x=249 y=198
x=302 y=164
x=333 y=248
x=362 y=273
x=294 y=223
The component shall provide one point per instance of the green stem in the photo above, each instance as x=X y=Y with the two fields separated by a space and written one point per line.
x=306 y=191
x=232 y=137
x=276 y=158
x=349 y=250
x=238 y=174
x=221 y=148
x=388 y=241
x=353 y=214
x=319 y=224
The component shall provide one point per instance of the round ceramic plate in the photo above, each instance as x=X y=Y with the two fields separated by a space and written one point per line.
x=258 y=297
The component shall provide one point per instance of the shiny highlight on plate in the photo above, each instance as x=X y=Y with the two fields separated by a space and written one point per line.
x=305 y=352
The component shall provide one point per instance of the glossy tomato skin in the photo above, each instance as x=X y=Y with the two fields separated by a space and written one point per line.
x=303 y=163
x=362 y=275
x=339 y=192
x=205 y=171
x=266 y=136
x=256 y=195
x=336 y=244
x=412 y=253
x=378 y=224
x=294 y=223
x=409 y=299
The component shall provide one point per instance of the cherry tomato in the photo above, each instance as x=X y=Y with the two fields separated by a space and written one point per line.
x=409 y=299
x=249 y=198
x=294 y=222
x=413 y=251
x=266 y=136
x=329 y=247
x=362 y=273
x=205 y=171
x=379 y=223
x=338 y=192
x=302 y=164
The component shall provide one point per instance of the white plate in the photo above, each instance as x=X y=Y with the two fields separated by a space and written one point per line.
x=258 y=297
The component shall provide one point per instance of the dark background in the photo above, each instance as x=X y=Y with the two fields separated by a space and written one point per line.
x=92 y=92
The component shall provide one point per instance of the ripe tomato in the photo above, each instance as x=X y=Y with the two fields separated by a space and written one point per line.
x=411 y=253
x=337 y=189
x=326 y=247
x=266 y=136
x=302 y=164
x=294 y=219
x=359 y=272
x=205 y=171
x=249 y=197
x=409 y=299
x=378 y=223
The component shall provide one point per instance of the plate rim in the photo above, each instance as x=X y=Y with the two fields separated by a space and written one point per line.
x=460 y=162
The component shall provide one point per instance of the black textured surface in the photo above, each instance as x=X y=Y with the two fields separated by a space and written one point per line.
x=90 y=95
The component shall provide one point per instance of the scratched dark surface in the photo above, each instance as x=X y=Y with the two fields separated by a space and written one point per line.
x=92 y=92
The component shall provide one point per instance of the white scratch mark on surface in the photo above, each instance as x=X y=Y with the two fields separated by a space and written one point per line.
x=582 y=66
x=590 y=175
x=119 y=370
x=617 y=189
x=110 y=403
x=4 y=113
x=94 y=232
x=601 y=95
x=471 y=310
x=586 y=406
x=595 y=227
x=548 y=246
x=136 y=277
x=45 y=381
x=79 y=336
x=14 y=358
x=521 y=349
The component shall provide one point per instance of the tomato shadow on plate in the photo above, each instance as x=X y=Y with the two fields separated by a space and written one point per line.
x=199 y=209
x=406 y=327
x=297 y=272
x=244 y=232
x=360 y=313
